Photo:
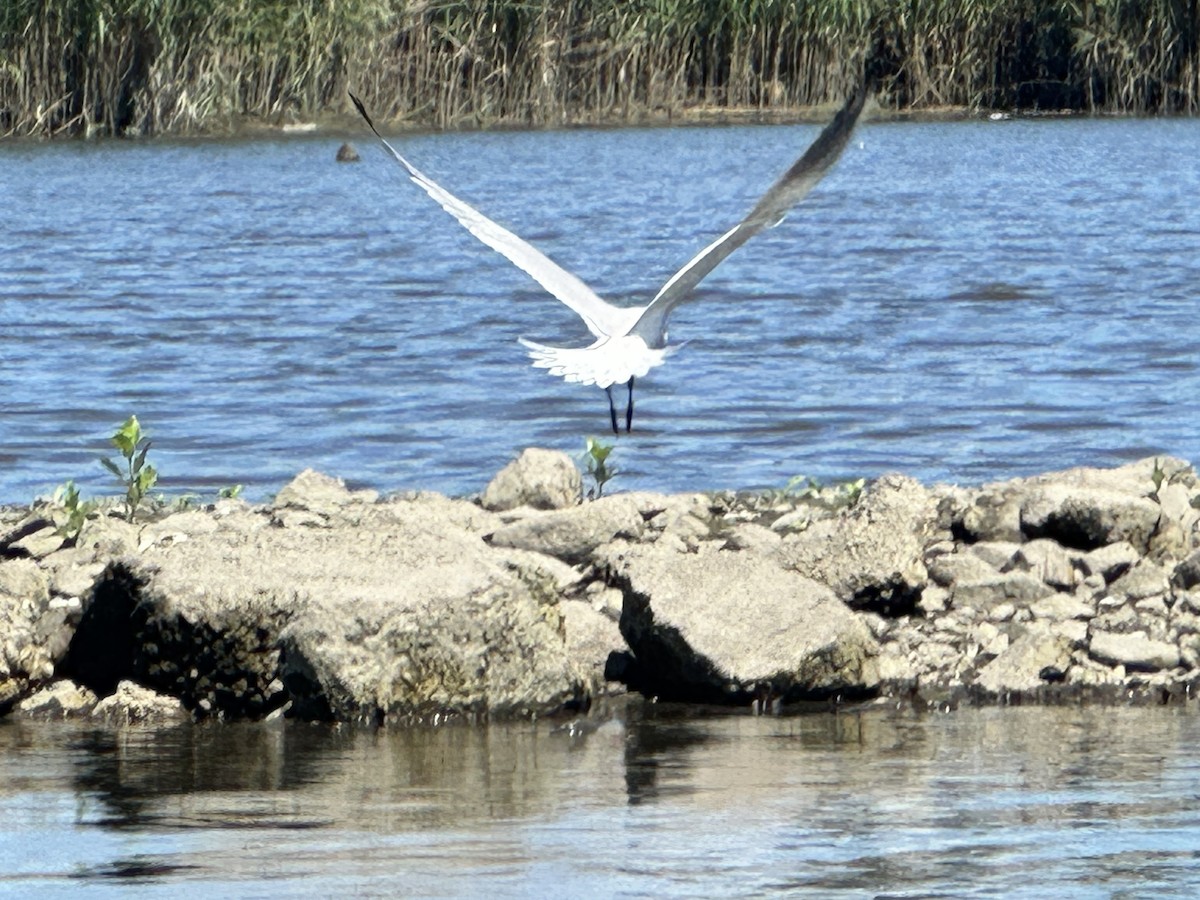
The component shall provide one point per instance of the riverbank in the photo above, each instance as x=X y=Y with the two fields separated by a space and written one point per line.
x=331 y=604
x=342 y=125
x=141 y=68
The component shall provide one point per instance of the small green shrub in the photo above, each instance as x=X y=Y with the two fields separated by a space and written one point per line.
x=136 y=475
x=840 y=495
x=596 y=467
x=71 y=511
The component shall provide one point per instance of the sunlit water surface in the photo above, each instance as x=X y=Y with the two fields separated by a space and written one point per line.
x=1018 y=802
x=963 y=301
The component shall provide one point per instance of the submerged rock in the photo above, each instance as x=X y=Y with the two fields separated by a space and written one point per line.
x=132 y=704
x=60 y=700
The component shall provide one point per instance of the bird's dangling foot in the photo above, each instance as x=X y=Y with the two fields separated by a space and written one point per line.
x=628 y=410
x=612 y=410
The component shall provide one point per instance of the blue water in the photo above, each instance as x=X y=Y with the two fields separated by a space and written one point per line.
x=1014 y=803
x=962 y=301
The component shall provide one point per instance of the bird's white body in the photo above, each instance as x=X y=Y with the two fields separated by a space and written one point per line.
x=630 y=341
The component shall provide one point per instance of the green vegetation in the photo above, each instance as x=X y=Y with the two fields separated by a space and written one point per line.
x=839 y=495
x=72 y=510
x=145 y=66
x=136 y=476
x=596 y=467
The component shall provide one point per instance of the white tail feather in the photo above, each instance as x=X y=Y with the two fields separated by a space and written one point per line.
x=607 y=362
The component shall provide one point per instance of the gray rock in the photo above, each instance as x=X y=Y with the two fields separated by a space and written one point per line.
x=1153 y=606
x=1089 y=517
x=872 y=555
x=794 y=520
x=995 y=516
x=132 y=704
x=753 y=538
x=40 y=543
x=109 y=536
x=1186 y=574
x=996 y=554
x=572 y=534
x=181 y=526
x=320 y=495
x=62 y=699
x=1146 y=579
x=1013 y=587
x=592 y=637
x=1136 y=651
x=1047 y=561
x=34 y=632
x=897 y=670
x=399 y=612
x=1121 y=619
x=934 y=599
x=541 y=479
x=1060 y=607
x=531 y=566
x=1035 y=658
x=716 y=626
x=1110 y=561
x=950 y=568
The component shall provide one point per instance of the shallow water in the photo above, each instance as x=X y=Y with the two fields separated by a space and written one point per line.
x=1017 y=802
x=963 y=301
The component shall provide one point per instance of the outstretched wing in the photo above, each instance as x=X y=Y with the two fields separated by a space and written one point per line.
x=601 y=317
x=789 y=190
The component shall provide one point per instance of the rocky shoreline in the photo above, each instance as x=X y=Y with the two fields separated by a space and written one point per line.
x=332 y=604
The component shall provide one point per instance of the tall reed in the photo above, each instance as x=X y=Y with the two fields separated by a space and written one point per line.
x=143 y=66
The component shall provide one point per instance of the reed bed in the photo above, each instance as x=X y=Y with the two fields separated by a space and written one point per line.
x=179 y=66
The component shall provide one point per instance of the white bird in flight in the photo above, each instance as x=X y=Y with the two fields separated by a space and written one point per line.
x=630 y=341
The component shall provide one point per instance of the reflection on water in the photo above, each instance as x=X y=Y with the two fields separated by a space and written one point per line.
x=1021 y=802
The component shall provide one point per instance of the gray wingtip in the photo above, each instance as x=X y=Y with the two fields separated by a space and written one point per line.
x=362 y=111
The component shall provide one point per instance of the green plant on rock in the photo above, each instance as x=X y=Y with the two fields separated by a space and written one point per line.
x=839 y=495
x=135 y=475
x=72 y=511
x=1158 y=475
x=596 y=467
x=231 y=492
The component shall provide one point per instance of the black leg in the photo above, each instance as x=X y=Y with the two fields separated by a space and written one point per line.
x=629 y=409
x=612 y=409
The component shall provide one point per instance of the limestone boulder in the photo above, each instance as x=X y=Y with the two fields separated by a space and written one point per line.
x=132 y=704
x=1186 y=574
x=314 y=498
x=872 y=556
x=572 y=534
x=1135 y=651
x=994 y=515
x=721 y=626
x=35 y=629
x=63 y=699
x=1019 y=588
x=541 y=479
x=1109 y=562
x=398 y=611
x=1089 y=517
x=1039 y=656
x=1047 y=561
x=592 y=637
